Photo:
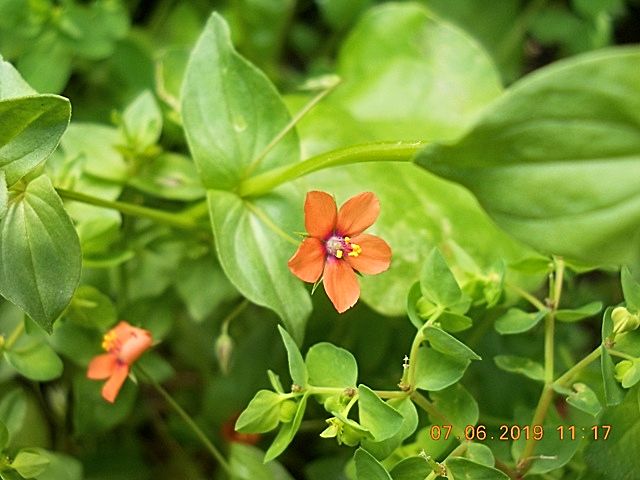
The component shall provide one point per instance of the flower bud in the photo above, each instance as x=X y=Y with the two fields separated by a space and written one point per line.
x=288 y=410
x=224 y=351
x=623 y=320
x=622 y=368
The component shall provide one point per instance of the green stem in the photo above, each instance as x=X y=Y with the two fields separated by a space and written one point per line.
x=234 y=313
x=566 y=378
x=618 y=353
x=14 y=336
x=527 y=296
x=313 y=390
x=172 y=219
x=518 y=30
x=188 y=420
x=538 y=419
x=372 y=152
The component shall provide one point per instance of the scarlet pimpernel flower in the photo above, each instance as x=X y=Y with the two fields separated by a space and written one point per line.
x=124 y=345
x=337 y=248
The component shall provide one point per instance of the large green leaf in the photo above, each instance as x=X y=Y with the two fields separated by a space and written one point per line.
x=368 y=468
x=246 y=464
x=40 y=253
x=395 y=68
x=231 y=112
x=331 y=366
x=555 y=161
x=253 y=246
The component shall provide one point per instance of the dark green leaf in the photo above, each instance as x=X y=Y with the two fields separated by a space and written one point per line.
x=247 y=464
x=231 y=112
x=412 y=468
x=518 y=321
x=33 y=358
x=457 y=405
x=253 y=246
x=551 y=453
x=575 y=314
x=377 y=416
x=287 y=432
x=4 y=436
x=448 y=344
x=40 y=252
x=521 y=365
x=525 y=155
x=480 y=453
x=613 y=392
x=436 y=370
x=460 y=468
x=331 y=366
x=368 y=468
x=91 y=308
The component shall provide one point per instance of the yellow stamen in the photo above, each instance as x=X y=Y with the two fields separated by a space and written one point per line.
x=108 y=340
x=356 y=250
x=347 y=239
x=339 y=253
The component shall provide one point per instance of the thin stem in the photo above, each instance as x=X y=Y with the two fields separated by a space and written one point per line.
x=313 y=390
x=289 y=126
x=527 y=296
x=14 y=336
x=232 y=315
x=172 y=219
x=538 y=419
x=566 y=378
x=372 y=152
x=188 y=420
x=409 y=377
x=618 y=353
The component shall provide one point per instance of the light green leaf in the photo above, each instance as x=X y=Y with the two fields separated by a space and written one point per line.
x=368 y=468
x=46 y=65
x=297 y=367
x=631 y=289
x=383 y=449
x=91 y=308
x=33 y=358
x=171 y=176
x=632 y=374
x=377 y=416
x=448 y=344
x=262 y=414
x=253 y=247
x=246 y=464
x=142 y=122
x=524 y=155
x=286 y=433
x=460 y=468
x=4 y=195
x=12 y=84
x=30 y=462
x=576 y=314
x=521 y=365
x=436 y=370
x=40 y=252
x=438 y=284
x=518 y=321
x=231 y=112
x=616 y=458
x=457 y=405
x=412 y=468
x=585 y=399
x=480 y=453
x=61 y=467
x=331 y=366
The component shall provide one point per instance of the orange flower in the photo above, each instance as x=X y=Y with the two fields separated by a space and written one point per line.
x=124 y=345
x=336 y=248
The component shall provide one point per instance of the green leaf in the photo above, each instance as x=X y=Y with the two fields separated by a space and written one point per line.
x=437 y=283
x=33 y=358
x=61 y=467
x=286 y=433
x=4 y=195
x=30 y=462
x=297 y=367
x=613 y=392
x=46 y=65
x=436 y=371
x=253 y=247
x=262 y=414
x=464 y=469
x=331 y=366
x=518 y=321
x=480 y=453
x=368 y=468
x=521 y=365
x=377 y=416
x=454 y=322
x=630 y=289
x=246 y=464
x=415 y=294
x=448 y=344
x=616 y=458
x=40 y=252
x=340 y=15
x=383 y=449
x=457 y=405
x=4 y=436
x=551 y=452
x=632 y=375
x=585 y=399
x=524 y=156
x=11 y=82
x=231 y=112
x=91 y=308
x=142 y=122
x=171 y=176
x=576 y=314
x=412 y=468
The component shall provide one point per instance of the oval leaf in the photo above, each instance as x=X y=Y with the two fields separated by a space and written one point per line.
x=40 y=252
x=368 y=468
x=521 y=365
x=377 y=416
x=518 y=321
x=331 y=366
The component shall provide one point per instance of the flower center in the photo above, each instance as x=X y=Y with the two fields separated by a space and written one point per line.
x=110 y=341
x=339 y=246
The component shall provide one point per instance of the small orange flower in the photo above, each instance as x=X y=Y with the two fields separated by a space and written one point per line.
x=124 y=345
x=336 y=248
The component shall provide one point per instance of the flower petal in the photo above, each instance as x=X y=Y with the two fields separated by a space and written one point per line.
x=357 y=214
x=375 y=256
x=136 y=343
x=320 y=213
x=308 y=261
x=114 y=384
x=101 y=366
x=341 y=284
